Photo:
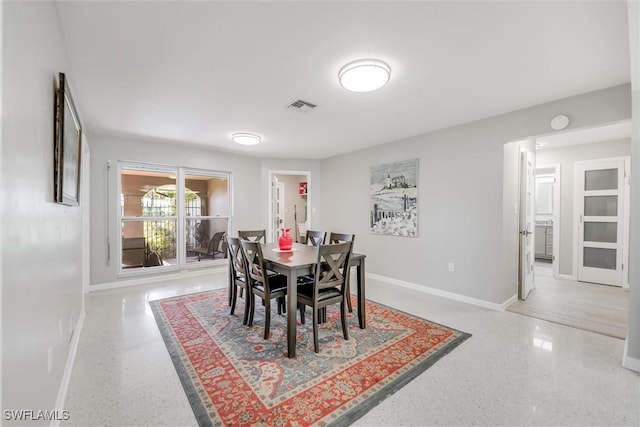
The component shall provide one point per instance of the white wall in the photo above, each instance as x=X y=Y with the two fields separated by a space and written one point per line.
x=566 y=157
x=41 y=240
x=460 y=197
x=249 y=184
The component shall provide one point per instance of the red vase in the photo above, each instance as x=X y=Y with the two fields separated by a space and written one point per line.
x=285 y=241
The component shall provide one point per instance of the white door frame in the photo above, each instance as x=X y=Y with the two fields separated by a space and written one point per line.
x=625 y=209
x=556 y=214
x=272 y=174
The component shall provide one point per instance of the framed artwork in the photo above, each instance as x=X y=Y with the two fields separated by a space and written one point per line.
x=67 y=147
x=394 y=198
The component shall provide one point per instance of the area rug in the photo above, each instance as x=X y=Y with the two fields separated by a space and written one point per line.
x=232 y=376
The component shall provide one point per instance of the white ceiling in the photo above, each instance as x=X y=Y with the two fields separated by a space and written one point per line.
x=195 y=72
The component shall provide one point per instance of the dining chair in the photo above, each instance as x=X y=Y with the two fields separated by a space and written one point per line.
x=328 y=287
x=315 y=238
x=213 y=249
x=263 y=283
x=238 y=276
x=253 y=235
x=341 y=238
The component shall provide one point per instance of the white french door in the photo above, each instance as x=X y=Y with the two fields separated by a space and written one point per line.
x=601 y=196
x=277 y=206
x=527 y=223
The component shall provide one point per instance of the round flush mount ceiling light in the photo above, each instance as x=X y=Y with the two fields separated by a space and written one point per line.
x=559 y=122
x=245 y=138
x=364 y=75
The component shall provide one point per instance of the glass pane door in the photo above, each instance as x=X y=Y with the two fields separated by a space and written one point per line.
x=600 y=215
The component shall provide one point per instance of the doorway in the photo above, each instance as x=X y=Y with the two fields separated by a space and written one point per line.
x=547 y=218
x=558 y=295
x=289 y=203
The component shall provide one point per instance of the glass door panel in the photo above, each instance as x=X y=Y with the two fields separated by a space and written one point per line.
x=601 y=179
x=606 y=232
x=601 y=206
x=600 y=258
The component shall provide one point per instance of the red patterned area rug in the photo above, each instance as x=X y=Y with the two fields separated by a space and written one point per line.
x=232 y=376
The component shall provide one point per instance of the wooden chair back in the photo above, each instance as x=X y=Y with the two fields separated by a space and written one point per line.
x=235 y=255
x=315 y=238
x=332 y=268
x=341 y=238
x=253 y=235
x=252 y=252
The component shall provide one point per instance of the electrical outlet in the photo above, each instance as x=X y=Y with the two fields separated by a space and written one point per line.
x=452 y=266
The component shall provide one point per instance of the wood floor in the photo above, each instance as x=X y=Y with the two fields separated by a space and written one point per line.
x=596 y=308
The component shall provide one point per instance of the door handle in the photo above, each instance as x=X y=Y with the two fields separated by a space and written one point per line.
x=526 y=232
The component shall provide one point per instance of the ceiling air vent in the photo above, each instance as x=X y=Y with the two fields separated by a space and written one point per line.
x=301 y=105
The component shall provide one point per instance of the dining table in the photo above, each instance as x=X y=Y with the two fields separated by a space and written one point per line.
x=300 y=261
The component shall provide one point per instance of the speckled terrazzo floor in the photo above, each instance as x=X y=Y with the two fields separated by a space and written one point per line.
x=514 y=370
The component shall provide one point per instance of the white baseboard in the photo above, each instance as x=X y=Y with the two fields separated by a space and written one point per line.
x=566 y=277
x=159 y=278
x=445 y=294
x=66 y=376
x=508 y=302
x=629 y=362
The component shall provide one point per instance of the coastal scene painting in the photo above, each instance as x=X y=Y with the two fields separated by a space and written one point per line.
x=394 y=198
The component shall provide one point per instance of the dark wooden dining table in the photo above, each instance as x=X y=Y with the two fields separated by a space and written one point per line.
x=299 y=262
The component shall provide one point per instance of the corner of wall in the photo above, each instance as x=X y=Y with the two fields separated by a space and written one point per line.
x=627 y=361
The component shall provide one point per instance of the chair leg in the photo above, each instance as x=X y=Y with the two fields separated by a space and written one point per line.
x=282 y=306
x=322 y=315
x=301 y=307
x=247 y=307
x=267 y=317
x=348 y=293
x=252 y=307
x=343 y=316
x=234 y=297
x=316 y=347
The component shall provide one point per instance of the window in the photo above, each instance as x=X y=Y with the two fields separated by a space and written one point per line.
x=172 y=217
x=206 y=215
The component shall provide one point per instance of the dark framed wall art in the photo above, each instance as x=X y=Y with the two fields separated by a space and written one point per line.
x=68 y=139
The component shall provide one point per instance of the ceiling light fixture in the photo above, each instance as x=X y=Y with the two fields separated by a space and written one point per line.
x=364 y=75
x=246 y=138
